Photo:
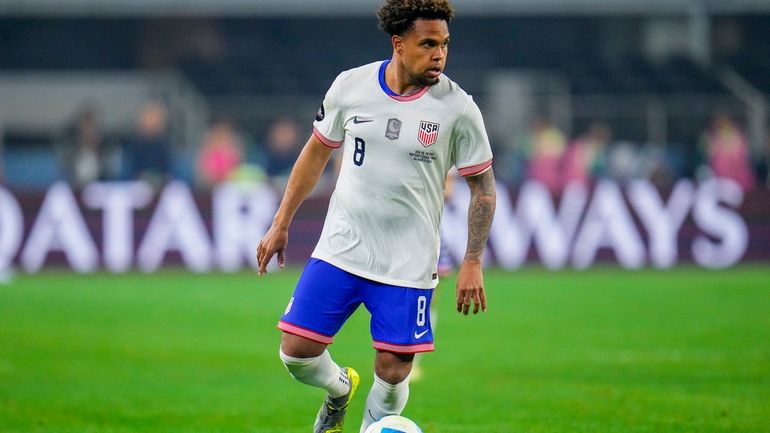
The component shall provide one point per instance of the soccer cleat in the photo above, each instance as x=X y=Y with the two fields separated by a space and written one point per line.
x=331 y=417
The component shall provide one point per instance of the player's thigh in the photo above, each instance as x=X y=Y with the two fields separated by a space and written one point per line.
x=400 y=318
x=323 y=300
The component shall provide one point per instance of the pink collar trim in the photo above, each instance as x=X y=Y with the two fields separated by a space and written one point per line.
x=394 y=95
x=412 y=96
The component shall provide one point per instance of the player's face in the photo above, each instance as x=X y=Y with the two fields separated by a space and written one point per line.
x=424 y=50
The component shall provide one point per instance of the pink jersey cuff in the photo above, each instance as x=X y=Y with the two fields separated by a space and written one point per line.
x=475 y=169
x=403 y=348
x=304 y=332
x=326 y=141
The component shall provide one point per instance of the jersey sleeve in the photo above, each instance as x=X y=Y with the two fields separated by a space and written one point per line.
x=329 y=121
x=473 y=154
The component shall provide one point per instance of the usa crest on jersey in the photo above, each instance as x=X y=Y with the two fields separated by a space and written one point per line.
x=428 y=133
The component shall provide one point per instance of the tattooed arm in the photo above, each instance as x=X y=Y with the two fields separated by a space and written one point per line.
x=470 y=280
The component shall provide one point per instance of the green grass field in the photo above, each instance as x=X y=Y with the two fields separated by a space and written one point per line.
x=603 y=351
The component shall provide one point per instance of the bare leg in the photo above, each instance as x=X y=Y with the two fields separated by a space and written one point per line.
x=393 y=368
x=300 y=347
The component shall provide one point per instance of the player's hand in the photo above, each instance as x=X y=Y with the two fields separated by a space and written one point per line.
x=470 y=288
x=275 y=241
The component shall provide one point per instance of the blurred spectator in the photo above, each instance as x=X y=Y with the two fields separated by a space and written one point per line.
x=83 y=155
x=283 y=147
x=656 y=164
x=727 y=153
x=763 y=172
x=547 y=144
x=624 y=161
x=585 y=157
x=2 y=154
x=221 y=154
x=149 y=150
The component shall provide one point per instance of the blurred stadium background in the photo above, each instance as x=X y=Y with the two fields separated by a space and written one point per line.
x=157 y=136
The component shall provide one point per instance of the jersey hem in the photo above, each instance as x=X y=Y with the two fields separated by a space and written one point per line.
x=374 y=277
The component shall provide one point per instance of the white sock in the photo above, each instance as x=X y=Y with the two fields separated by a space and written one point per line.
x=321 y=372
x=384 y=399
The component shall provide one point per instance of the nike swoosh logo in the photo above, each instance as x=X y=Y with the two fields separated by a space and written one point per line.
x=356 y=120
x=418 y=336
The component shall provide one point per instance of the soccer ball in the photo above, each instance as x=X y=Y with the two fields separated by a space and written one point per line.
x=394 y=424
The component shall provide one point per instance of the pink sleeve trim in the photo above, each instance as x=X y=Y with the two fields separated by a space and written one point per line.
x=475 y=169
x=403 y=348
x=326 y=141
x=304 y=332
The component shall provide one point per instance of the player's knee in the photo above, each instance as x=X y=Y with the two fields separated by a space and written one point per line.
x=298 y=368
x=304 y=359
x=393 y=368
x=299 y=347
x=393 y=375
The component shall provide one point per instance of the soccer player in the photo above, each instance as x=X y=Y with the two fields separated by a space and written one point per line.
x=401 y=125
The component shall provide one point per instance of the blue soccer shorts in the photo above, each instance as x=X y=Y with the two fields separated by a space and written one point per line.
x=326 y=296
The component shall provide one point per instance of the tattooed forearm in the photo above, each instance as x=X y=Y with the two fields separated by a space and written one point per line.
x=480 y=213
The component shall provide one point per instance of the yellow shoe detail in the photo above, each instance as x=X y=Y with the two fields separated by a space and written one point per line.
x=332 y=414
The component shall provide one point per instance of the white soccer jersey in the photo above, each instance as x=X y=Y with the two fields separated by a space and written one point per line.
x=384 y=216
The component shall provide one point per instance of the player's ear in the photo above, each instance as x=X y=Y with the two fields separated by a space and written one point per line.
x=398 y=43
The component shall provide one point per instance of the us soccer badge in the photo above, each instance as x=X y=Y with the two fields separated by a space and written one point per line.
x=428 y=133
x=393 y=129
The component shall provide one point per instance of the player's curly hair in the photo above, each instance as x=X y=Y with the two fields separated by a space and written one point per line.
x=398 y=16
